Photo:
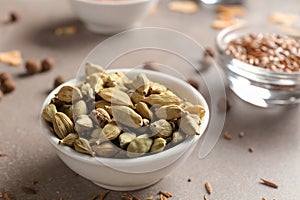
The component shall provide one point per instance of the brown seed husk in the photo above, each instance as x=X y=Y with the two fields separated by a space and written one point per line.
x=28 y=190
x=208 y=187
x=104 y=194
x=269 y=183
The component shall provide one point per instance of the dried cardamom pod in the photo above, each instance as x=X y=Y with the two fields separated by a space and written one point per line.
x=184 y=104
x=57 y=102
x=196 y=109
x=161 y=128
x=101 y=104
x=49 y=112
x=115 y=96
x=100 y=116
x=143 y=110
x=68 y=94
x=96 y=133
x=157 y=88
x=81 y=145
x=95 y=82
x=69 y=139
x=139 y=146
x=189 y=125
x=141 y=83
x=62 y=125
x=106 y=149
x=79 y=108
x=196 y=118
x=127 y=116
x=136 y=97
x=87 y=90
x=110 y=132
x=83 y=123
x=162 y=99
x=169 y=112
x=91 y=68
x=178 y=137
x=113 y=79
x=68 y=110
x=126 y=138
x=158 y=145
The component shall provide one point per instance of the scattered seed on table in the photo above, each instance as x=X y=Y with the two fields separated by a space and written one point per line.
x=193 y=83
x=166 y=194
x=204 y=197
x=58 y=81
x=28 y=190
x=162 y=197
x=189 y=180
x=32 y=67
x=269 y=183
x=227 y=136
x=208 y=187
x=209 y=52
x=250 y=149
x=104 y=194
x=241 y=134
x=47 y=64
x=93 y=197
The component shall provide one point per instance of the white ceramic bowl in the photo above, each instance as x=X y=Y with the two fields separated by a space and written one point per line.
x=135 y=173
x=111 y=17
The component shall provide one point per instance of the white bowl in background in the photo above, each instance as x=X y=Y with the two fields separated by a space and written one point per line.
x=134 y=173
x=111 y=17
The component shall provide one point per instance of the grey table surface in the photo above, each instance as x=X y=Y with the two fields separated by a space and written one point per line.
x=233 y=172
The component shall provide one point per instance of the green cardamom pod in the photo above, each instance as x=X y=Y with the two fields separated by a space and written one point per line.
x=100 y=116
x=69 y=139
x=196 y=109
x=161 y=128
x=127 y=116
x=110 y=132
x=162 y=99
x=169 y=112
x=115 y=96
x=101 y=104
x=178 y=137
x=83 y=123
x=143 y=109
x=158 y=145
x=82 y=145
x=91 y=68
x=139 y=146
x=126 y=138
x=95 y=82
x=136 y=97
x=189 y=125
x=106 y=149
x=49 y=112
x=79 y=108
x=196 y=118
x=62 y=125
x=157 y=88
x=68 y=94
x=141 y=83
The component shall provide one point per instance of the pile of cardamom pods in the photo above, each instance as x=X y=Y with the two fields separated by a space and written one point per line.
x=111 y=115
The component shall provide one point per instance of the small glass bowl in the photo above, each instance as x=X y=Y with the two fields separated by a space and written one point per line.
x=256 y=85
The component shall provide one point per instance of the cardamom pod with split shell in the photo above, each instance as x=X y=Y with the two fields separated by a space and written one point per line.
x=157 y=88
x=158 y=145
x=68 y=94
x=189 y=125
x=95 y=82
x=161 y=128
x=125 y=138
x=100 y=116
x=127 y=116
x=62 y=125
x=141 y=83
x=109 y=132
x=69 y=139
x=79 y=108
x=82 y=145
x=91 y=68
x=196 y=109
x=143 y=109
x=139 y=146
x=83 y=123
x=49 y=112
x=106 y=149
x=115 y=96
x=162 y=99
x=169 y=112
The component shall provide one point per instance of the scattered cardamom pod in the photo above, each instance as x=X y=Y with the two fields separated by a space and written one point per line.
x=83 y=123
x=68 y=94
x=127 y=116
x=169 y=112
x=144 y=110
x=106 y=149
x=49 y=112
x=100 y=116
x=158 y=145
x=79 y=108
x=161 y=128
x=81 y=145
x=126 y=138
x=62 y=125
x=139 y=146
x=69 y=139
x=189 y=125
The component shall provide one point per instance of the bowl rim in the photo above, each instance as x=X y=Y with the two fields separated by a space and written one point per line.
x=240 y=64
x=124 y=161
x=113 y=3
